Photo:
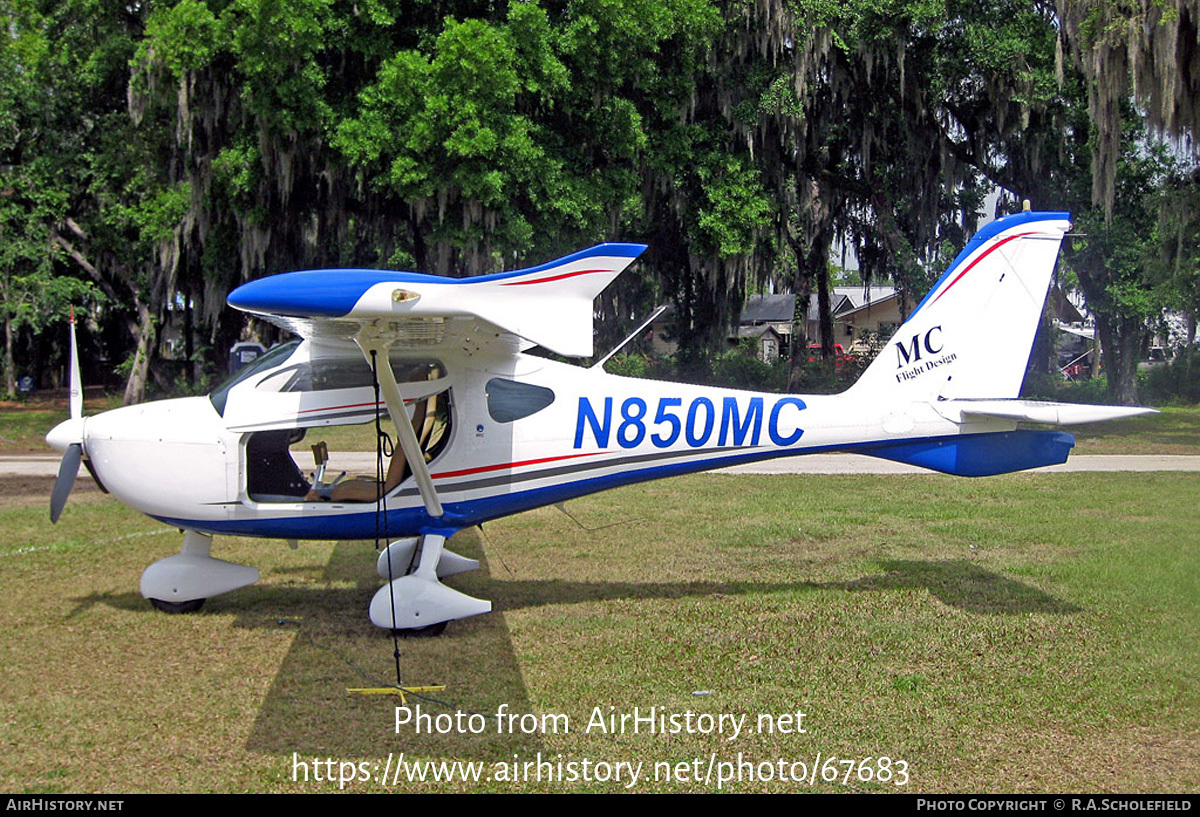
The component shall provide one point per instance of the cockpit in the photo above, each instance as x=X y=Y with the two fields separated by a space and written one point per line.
x=292 y=406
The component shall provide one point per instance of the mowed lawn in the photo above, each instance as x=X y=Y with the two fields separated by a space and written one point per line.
x=1025 y=633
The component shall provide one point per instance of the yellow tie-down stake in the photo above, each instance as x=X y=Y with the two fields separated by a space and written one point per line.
x=401 y=691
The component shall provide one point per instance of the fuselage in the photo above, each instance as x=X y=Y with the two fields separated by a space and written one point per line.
x=470 y=428
x=511 y=432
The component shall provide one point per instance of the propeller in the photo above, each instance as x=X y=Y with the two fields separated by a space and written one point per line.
x=67 y=471
x=67 y=436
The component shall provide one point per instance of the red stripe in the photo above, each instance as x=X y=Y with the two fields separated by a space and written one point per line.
x=503 y=465
x=982 y=256
x=553 y=278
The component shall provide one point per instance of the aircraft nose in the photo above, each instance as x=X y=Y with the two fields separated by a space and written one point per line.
x=65 y=434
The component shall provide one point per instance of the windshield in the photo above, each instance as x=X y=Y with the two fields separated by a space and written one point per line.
x=273 y=358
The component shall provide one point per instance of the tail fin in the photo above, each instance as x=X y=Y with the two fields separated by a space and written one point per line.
x=972 y=334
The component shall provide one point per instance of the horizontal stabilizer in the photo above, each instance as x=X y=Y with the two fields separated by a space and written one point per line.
x=1036 y=411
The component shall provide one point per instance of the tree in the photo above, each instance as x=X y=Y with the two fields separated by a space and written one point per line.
x=32 y=295
x=1118 y=258
x=1178 y=270
x=191 y=145
x=33 y=291
x=1140 y=50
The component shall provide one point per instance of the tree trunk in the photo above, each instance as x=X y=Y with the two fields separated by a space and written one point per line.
x=820 y=260
x=1120 y=342
x=10 y=379
x=811 y=246
x=135 y=387
x=802 y=287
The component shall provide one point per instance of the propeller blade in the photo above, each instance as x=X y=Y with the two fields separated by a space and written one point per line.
x=67 y=470
x=76 y=384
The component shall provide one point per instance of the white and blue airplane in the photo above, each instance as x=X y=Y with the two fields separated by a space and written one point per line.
x=483 y=430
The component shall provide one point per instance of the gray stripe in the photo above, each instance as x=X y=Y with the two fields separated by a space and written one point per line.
x=512 y=479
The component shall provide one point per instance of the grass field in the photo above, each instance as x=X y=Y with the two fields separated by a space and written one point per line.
x=1026 y=633
x=1172 y=431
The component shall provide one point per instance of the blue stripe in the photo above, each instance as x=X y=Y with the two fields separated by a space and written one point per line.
x=332 y=293
x=314 y=293
x=987 y=232
x=968 y=455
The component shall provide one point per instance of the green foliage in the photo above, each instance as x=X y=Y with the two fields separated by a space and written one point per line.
x=450 y=121
x=33 y=294
x=194 y=144
x=238 y=170
x=1177 y=383
x=279 y=47
x=1093 y=390
x=734 y=208
x=740 y=368
x=155 y=215
x=183 y=37
x=627 y=365
x=1117 y=258
x=831 y=376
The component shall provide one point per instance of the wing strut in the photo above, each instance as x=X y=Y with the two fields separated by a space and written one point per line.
x=404 y=430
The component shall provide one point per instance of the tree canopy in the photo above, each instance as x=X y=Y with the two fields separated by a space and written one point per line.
x=155 y=155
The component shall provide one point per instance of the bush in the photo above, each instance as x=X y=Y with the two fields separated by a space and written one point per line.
x=1058 y=389
x=1176 y=383
x=740 y=368
x=627 y=365
x=832 y=377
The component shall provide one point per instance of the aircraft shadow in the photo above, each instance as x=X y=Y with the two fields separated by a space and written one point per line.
x=962 y=584
x=956 y=583
x=516 y=594
x=308 y=710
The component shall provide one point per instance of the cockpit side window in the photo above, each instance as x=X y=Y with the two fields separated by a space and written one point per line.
x=509 y=400
x=344 y=373
x=271 y=359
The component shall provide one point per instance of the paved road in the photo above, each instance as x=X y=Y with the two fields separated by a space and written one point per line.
x=47 y=465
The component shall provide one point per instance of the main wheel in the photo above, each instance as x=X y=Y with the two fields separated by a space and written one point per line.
x=432 y=631
x=177 y=607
